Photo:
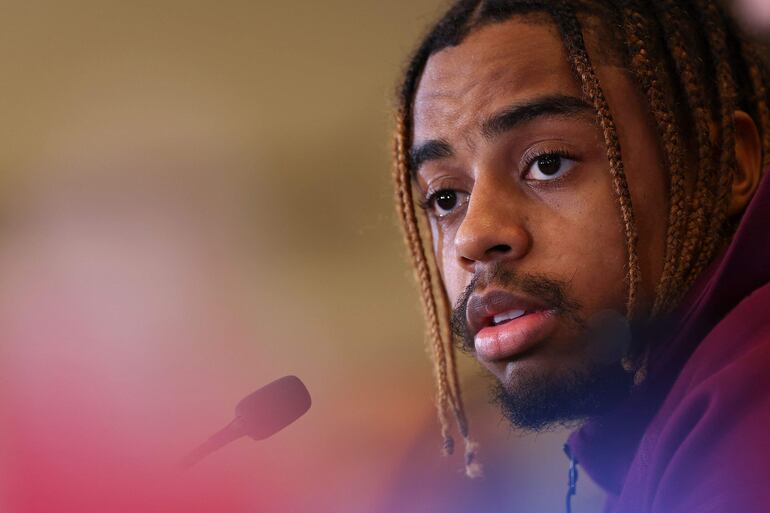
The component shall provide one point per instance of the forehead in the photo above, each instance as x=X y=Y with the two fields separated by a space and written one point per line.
x=492 y=68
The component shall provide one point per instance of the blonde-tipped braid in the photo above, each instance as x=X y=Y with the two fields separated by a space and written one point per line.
x=445 y=368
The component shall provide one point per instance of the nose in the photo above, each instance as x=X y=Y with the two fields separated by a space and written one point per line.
x=493 y=228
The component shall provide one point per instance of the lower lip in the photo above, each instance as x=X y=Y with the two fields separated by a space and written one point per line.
x=506 y=340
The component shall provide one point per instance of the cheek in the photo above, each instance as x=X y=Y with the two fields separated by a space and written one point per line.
x=453 y=277
x=581 y=242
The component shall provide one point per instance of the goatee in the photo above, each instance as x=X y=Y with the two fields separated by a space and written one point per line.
x=538 y=401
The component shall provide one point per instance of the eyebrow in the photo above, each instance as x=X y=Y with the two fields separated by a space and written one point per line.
x=435 y=149
x=510 y=117
x=520 y=113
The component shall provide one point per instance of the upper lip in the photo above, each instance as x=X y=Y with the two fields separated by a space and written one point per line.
x=482 y=308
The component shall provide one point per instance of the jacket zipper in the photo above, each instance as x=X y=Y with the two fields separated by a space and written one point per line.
x=572 y=477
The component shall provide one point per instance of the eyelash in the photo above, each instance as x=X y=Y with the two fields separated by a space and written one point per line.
x=427 y=202
x=530 y=158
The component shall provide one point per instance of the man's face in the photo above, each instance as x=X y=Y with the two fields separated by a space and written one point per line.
x=526 y=227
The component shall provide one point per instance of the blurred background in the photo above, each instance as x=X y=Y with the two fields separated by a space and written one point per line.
x=195 y=200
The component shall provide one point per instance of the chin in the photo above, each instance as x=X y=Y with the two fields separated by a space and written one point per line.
x=533 y=397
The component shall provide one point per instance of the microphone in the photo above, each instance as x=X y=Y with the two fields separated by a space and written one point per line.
x=259 y=415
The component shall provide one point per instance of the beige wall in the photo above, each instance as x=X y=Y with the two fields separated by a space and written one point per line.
x=196 y=201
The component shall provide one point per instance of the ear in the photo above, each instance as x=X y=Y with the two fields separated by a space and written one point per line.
x=748 y=156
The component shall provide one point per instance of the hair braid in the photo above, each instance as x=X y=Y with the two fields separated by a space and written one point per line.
x=447 y=31
x=639 y=34
x=572 y=34
x=672 y=17
x=717 y=43
x=759 y=93
x=472 y=467
x=405 y=205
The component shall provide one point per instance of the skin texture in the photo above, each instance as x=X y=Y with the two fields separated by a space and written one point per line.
x=506 y=215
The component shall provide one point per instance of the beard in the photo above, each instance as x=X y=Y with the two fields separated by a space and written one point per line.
x=537 y=401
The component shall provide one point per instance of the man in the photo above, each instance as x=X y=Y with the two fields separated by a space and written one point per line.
x=596 y=233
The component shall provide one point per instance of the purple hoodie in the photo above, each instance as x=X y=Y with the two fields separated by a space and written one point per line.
x=695 y=436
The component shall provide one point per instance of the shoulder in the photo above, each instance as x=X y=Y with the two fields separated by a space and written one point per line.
x=738 y=342
x=712 y=434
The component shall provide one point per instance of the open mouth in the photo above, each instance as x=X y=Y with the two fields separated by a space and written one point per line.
x=513 y=333
x=506 y=316
x=505 y=325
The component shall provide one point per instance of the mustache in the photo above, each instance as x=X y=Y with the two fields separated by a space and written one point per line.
x=550 y=291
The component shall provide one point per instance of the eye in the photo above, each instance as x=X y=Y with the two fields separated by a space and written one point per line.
x=445 y=201
x=549 y=166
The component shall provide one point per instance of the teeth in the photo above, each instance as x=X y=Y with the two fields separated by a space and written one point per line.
x=507 y=316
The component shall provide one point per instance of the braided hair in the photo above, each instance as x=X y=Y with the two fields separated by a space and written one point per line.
x=674 y=49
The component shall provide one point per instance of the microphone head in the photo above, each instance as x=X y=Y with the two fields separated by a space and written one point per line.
x=273 y=407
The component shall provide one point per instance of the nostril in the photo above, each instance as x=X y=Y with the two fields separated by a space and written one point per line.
x=499 y=249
